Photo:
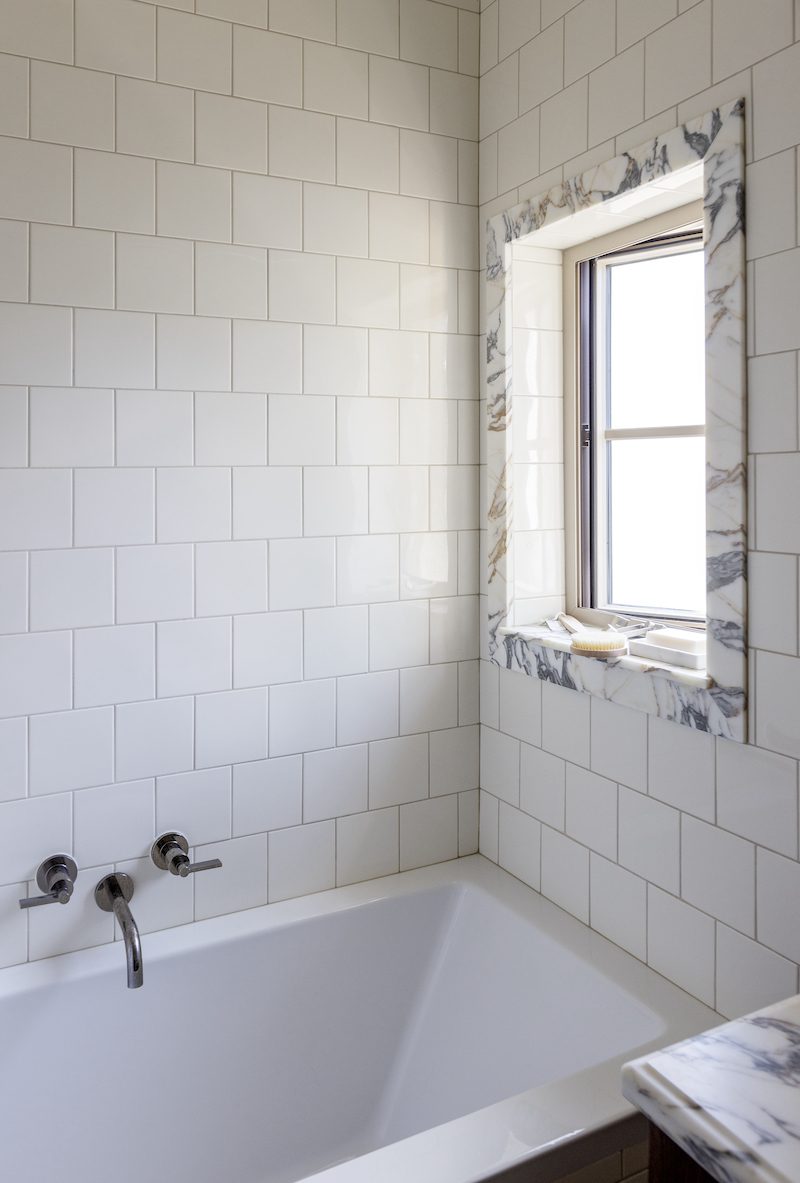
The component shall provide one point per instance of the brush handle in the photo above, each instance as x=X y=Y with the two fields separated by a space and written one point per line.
x=570 y=623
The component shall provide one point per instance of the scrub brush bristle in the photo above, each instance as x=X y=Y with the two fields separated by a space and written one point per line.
x=600 y=644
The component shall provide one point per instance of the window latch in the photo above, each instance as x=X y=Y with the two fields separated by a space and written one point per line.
x=586 y=435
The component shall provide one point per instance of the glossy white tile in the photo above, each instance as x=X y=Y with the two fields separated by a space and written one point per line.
x=193 y=656
x=649 y=839
x=230 y=727
x=428 y=832
x=267 y=795
x=197 y=804
x=231 y=577
x=267 y=502
x=335 y=362
x=267 y=66
x=71 y=428
x=155 y=120
x=680 y=944
x=367 y=845
x=591 y=814
x=267 y=647
x=302 y=860
x=193 y=504
x=398 y=771
x=193 y=51
x=335 y=500
x=618 y=905
x=230 y=132
x=154 y=738
x=565 y=873
x=367 y=707
x=114 y=506
x=681 y=767
x=335 y=784
x=367 y=569
x=37 y=178
x=114 y=822
x=335 y=641
x=718 y=873
x=302 y=716
x=565 y=723
x=118 y=36
x=519 y=838
x=69 y=265
x=70 y=750
x=154 y=583
x=194 y=202
x=114 y=664
x=244 y=884
x=154 y=428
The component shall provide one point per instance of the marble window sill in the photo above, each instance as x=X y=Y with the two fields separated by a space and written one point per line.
x=675 y=673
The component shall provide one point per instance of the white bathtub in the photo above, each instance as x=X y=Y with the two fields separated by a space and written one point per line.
x=439 y=1026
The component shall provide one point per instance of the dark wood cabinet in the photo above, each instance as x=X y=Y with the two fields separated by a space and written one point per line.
x=670 y=1164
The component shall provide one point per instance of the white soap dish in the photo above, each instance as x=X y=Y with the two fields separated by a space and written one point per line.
x=667 y=654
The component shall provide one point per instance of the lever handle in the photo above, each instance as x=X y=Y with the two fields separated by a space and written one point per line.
x=55 y=878
x=170 y=853
x=37 y=901
x=187 y=868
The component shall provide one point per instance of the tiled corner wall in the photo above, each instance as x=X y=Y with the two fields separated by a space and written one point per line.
x=681 y=848
x=238 y=391
x=239 y=406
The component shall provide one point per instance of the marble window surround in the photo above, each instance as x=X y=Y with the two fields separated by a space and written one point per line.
x=703 y=157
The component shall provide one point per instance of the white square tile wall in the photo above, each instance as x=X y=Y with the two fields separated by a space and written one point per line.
x=238 y=395
x=680 y=849
x=239 y=589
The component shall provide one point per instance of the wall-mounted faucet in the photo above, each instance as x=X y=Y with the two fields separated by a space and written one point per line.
x=113 y=894
x=170 y=853
x=55 y=878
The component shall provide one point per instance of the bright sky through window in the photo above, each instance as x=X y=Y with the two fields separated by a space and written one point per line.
x=655 y=379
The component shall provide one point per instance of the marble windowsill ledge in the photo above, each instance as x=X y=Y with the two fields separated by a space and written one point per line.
x=730 y=1098
x=691 y=697
x=553 y=641
x=548 y=640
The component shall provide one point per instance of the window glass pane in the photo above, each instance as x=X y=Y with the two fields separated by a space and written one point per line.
x=656 y=364
x=657 y=545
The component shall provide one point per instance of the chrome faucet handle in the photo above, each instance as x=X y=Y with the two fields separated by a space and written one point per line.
x=55 y=878
x=170 y=853
x=209 y=864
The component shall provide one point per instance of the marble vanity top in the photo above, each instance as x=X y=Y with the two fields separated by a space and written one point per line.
x=731 y=1097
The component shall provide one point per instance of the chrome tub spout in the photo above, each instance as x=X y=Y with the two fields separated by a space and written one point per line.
x=113 y=894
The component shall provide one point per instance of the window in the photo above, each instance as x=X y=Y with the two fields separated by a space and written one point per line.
x=639 y=432
x=656 y=192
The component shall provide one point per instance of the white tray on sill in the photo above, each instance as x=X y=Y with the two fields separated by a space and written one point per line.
x=692 y=661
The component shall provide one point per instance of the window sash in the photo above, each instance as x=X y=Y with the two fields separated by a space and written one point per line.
x=603 y=571
x=595 y=436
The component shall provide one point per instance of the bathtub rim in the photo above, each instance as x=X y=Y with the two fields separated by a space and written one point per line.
x=549 y=1125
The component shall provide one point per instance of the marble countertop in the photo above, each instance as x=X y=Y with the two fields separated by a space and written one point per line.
x=730 y=1097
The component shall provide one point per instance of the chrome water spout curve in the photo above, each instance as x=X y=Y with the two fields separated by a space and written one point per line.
x=113 y=894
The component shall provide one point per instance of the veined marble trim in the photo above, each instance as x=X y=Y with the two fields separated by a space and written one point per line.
x=691 y=677
x=717 y=141
x=729 y=1097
